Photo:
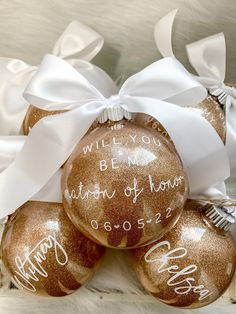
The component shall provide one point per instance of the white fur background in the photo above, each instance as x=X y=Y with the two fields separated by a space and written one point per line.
x=29 y=29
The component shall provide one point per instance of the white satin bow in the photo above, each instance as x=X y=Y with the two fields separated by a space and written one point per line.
x=208 y=58
x=15 y=74
x=159 y=90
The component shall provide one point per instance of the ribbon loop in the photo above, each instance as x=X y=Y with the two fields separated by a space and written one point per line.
x=183 y=92
x=61 y=92
x=15 y=74
x=79 y=39
x=208 y=58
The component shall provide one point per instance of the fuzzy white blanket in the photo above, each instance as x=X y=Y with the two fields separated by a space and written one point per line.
x=29 y=28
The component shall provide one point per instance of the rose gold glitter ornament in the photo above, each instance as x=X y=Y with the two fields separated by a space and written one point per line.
x=44 y=253
x=209 y=108
x=124 y=185
x=193 y=264
x=33 y=115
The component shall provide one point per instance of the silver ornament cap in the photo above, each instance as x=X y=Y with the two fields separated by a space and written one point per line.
x=114 y=111
x=221 y=216
x=220 y=94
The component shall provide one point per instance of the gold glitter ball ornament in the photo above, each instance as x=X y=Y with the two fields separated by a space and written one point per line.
x=44 y=253
x=33 y=115
x=209 y=108
x=124 y=185
x=192 y=265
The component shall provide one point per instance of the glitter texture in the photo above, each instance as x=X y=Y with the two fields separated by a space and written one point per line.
x=192 y=265
x=101 y=175
x=33 y=115
x=44 y=253
x=211 y=110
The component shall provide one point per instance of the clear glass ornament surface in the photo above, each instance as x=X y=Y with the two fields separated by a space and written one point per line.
x=44 y=253
x=192 y=265
x=124 y=185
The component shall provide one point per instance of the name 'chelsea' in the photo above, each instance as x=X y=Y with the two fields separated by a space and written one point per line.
x=180 y=279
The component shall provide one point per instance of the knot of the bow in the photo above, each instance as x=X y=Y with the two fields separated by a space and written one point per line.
x=114 y=110
x=113 y=101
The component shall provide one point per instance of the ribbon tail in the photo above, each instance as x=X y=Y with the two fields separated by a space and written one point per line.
x=231 y=148
x=48 y=145
x=13 y=106
x=163 y=34
x=51 y=192
x=230 y=113
x=202 y=152
x=10 y=146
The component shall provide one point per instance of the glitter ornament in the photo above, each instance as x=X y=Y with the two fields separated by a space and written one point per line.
x=124 y=185
x=193 y=264
x=210 y=108
x=44 y=253
x=33 y=115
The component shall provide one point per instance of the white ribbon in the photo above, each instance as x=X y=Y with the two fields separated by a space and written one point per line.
x=78 y=39
x=15 y=74
x=159 y=90
x=218 y=191
x=10 y=147
x=208 y=57
x=163 y=34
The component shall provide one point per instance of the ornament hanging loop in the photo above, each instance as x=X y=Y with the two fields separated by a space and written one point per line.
x=114 y=110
